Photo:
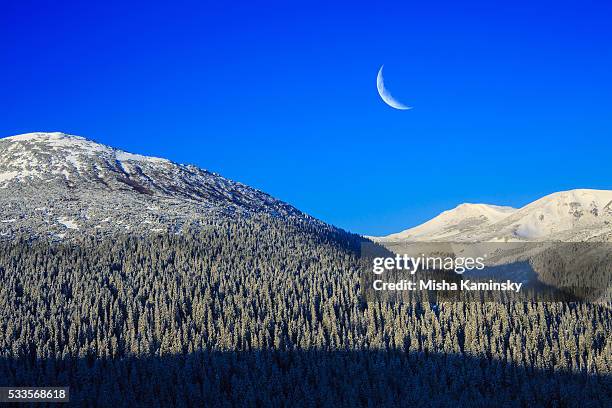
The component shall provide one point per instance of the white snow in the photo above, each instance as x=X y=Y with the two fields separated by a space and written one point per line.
x=74 y=160
x=8 y=175
x=36 y=136
x=12 y=175
x=83 y=145
x=99 y=191
x=462 y=218
x=68 y=223
x=567 y=215
x=125 y=156
x=560 y=212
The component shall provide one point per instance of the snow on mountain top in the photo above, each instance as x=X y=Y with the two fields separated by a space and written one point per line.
x=581 y=214
x=583 y=195
x=464 y=217
x=493 y=212
x=63 y=140
x=561 y=211
x=40 y=136
x=54 y=184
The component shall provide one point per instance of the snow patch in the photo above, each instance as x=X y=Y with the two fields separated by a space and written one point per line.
x=68 y=223
x=8 y=175
x=125 y=156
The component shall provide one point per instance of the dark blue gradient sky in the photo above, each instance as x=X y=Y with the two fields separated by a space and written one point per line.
x=512 y=100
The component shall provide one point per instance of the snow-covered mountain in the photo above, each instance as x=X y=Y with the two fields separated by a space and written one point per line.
x=462 y=219
x=569 y=216
x=63 y=186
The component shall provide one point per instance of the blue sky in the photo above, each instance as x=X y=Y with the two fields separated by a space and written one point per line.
x=511 y=101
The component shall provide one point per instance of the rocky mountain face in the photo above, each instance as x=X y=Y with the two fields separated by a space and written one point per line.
x=567 y=216
x=64 y=186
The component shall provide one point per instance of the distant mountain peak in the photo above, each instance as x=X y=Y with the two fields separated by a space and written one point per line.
x=461 y=219
x=482 y=209
x=573 y=215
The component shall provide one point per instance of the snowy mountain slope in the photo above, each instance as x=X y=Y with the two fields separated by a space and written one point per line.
x=575 y=215
x=462 y=219
x=63 y=186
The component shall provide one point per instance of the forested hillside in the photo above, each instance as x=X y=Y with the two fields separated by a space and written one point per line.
x=263 y=311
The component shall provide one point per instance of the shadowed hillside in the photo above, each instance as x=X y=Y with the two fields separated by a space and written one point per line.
x=315 y=378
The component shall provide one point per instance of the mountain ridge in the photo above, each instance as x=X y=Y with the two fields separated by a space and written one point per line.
x=572 y=215
x=60 y=185
x=464 y=217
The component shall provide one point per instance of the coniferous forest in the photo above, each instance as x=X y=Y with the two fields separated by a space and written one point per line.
x=265 y=312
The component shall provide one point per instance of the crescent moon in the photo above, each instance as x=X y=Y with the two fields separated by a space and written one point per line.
x=386 y=95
